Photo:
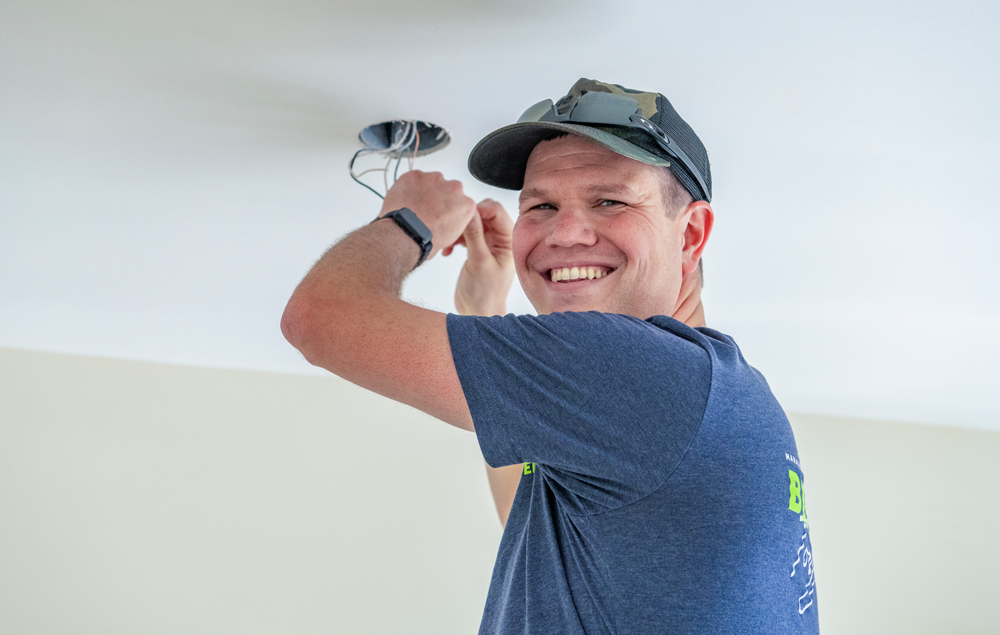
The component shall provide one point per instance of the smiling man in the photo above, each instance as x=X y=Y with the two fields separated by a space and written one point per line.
x=647 y=477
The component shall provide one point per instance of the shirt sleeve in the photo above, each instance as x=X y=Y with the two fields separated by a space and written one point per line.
x=607 y=404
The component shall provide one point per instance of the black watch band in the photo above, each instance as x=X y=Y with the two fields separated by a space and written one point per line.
x=414 y=228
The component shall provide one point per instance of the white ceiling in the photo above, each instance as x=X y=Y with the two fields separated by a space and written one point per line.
x=170 y=169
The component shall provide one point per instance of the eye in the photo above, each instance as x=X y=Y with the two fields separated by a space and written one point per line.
x=539 y=206
x=609 y=203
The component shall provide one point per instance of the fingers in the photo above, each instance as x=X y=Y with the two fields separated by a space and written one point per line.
x=453 y=218
x=495 y=217
x=491 y=209
x=441 y=204
x=489 y=270
x=475 y=239
x=450 y=248
x=498 y=227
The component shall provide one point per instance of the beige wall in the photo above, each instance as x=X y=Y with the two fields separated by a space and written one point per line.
x=905 y=520
x=142 y=498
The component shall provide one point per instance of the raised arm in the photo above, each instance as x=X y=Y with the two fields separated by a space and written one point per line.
x=346 y=314
x=482 y=290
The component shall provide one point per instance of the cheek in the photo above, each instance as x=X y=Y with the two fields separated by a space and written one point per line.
x=650 y=248
x=523 y=240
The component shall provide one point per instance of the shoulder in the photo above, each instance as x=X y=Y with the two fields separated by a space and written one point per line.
x=606 y=347
x=569 y=326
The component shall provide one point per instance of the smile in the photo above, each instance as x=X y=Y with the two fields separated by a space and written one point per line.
x=566 y=274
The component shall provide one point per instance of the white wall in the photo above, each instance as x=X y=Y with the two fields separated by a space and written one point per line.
x=170 y=169
x=147 y=498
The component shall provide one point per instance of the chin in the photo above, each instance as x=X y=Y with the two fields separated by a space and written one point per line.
x=547 y=299
x=577 y=305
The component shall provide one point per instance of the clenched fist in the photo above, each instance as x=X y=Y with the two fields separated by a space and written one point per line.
x=440 y=204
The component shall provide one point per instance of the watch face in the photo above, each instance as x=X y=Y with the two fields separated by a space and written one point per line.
x=415 y=229
x=414 y=224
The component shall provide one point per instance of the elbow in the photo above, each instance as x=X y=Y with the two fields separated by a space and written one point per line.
x=298 y=325
x=313 y=325
x=293 y=323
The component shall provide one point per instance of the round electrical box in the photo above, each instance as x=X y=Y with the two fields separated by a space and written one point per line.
x=399 y=138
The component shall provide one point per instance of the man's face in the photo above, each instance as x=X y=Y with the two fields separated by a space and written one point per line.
x=585 y=207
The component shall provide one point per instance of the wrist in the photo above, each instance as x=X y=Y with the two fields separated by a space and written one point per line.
x=414 y=228
x=483 y=311
x=481 y=306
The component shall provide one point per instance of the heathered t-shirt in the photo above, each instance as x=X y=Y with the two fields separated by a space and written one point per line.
x=661 y=490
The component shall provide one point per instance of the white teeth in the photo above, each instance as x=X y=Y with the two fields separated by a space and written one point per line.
x=576 y=273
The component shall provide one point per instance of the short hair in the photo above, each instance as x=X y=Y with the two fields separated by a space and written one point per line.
x=676 y=198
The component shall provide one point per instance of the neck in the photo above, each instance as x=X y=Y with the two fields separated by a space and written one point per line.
x=689 y=307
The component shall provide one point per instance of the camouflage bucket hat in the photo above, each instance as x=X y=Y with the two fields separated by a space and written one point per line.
x=638 y=125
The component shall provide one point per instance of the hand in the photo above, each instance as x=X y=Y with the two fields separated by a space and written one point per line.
x=489 y=268
x=440 y=204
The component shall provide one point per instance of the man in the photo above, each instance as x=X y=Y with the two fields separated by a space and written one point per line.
x=658 y=488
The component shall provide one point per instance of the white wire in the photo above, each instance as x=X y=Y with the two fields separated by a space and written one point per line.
x=403 y=136
x=416 y=145
x=410 y=136
x=361 y=154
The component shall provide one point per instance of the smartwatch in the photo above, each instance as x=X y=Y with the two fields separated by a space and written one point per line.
x=414 y=228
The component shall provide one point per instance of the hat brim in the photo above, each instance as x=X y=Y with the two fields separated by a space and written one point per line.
x=501 y=157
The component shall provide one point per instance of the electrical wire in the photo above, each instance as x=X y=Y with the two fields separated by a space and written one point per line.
x=385 y=175
x=404 y=135
x=350 y=168
x=416 y=146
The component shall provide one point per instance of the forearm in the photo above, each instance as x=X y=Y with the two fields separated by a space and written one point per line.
x=503 y=480
x=372 y=260
x=346 y=315
x=485 y=309
x=362 y=271
x=503 y=486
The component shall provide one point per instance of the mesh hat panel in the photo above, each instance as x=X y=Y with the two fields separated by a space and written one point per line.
x=500 y=158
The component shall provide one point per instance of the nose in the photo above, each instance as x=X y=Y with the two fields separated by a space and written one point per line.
x=571 y=226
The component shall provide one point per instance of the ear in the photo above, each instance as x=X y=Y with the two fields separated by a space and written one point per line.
x=698 y=218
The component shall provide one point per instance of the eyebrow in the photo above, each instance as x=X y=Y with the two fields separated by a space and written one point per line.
x=531 y=192
x=609 y=188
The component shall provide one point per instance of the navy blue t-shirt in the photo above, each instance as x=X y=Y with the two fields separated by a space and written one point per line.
x=661 y=489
